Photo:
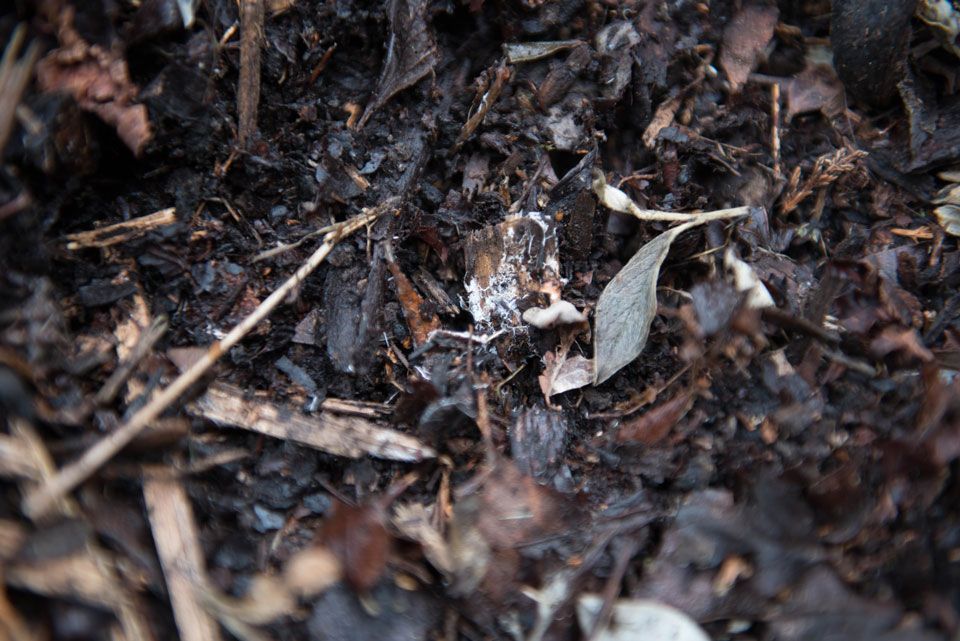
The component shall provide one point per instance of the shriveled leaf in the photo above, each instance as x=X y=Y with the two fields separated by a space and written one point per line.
x=357 y=536
x=415 y=522
x=745 y=279
x=816 y=88
x=744 y=40
x=638 y=619
x=99 y=80
x=627 y=306
x=653 y=426
x=411 y=52
x=565 y=374
x=949 y=218
x=629 y=302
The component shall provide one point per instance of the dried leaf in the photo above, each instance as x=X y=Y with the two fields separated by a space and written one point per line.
x=662 y=119
x=98 y=80
x=414 y=521
x=563 y=374
x=949 y=218
x=487 y=528
x=629 y=302
x=532 y=51
x=420 y=321
x=903 y=340
x=356 y=535
x=515 y=509
x=638 y=619
x=411 y=53
x=744 y=39
x=816 y=88
x=627 y=306
x=653 y=425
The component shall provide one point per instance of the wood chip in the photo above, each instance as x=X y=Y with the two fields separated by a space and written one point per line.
x=178 y=546
x=348 y=436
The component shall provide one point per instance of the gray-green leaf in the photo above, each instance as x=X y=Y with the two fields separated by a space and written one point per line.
x=627 y=306
x=629 y=302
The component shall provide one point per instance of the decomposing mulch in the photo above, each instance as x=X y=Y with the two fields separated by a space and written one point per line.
x=478 y=319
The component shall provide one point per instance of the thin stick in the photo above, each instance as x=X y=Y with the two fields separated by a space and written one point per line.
x=775 y=128
x=122 y=232
x=610 y=590
x=41 y=499
x=248 y=88
x=145 y=343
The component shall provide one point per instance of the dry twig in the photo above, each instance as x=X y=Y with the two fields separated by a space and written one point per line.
x=178 y=546
x=487 y=94
x=121 y=232
x=40 y=500
x=775 y=128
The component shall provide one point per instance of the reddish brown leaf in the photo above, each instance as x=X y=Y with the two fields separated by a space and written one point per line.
x=420 y=321
x=515 y=509
x=652 y=426
x=358 y=537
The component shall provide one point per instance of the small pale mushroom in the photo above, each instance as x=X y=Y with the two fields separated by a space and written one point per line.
x=559 y=313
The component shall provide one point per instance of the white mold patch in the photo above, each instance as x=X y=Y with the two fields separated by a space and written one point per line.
x=507 y=264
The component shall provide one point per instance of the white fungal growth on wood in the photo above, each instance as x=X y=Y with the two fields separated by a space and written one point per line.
x=507 y=263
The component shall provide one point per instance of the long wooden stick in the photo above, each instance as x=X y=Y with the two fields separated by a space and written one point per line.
x=248 y=86
x=41 y=499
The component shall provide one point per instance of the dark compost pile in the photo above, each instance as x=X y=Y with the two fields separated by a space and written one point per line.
x=614 y=320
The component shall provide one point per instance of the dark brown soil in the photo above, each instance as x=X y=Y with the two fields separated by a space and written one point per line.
x=786 y=474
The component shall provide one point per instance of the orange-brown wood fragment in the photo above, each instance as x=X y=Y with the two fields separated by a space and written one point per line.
x=420 y=321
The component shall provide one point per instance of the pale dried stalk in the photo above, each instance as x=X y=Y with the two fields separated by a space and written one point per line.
x=775 y=129
x=122 y=232
x=40 y=500
x=615 y=199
